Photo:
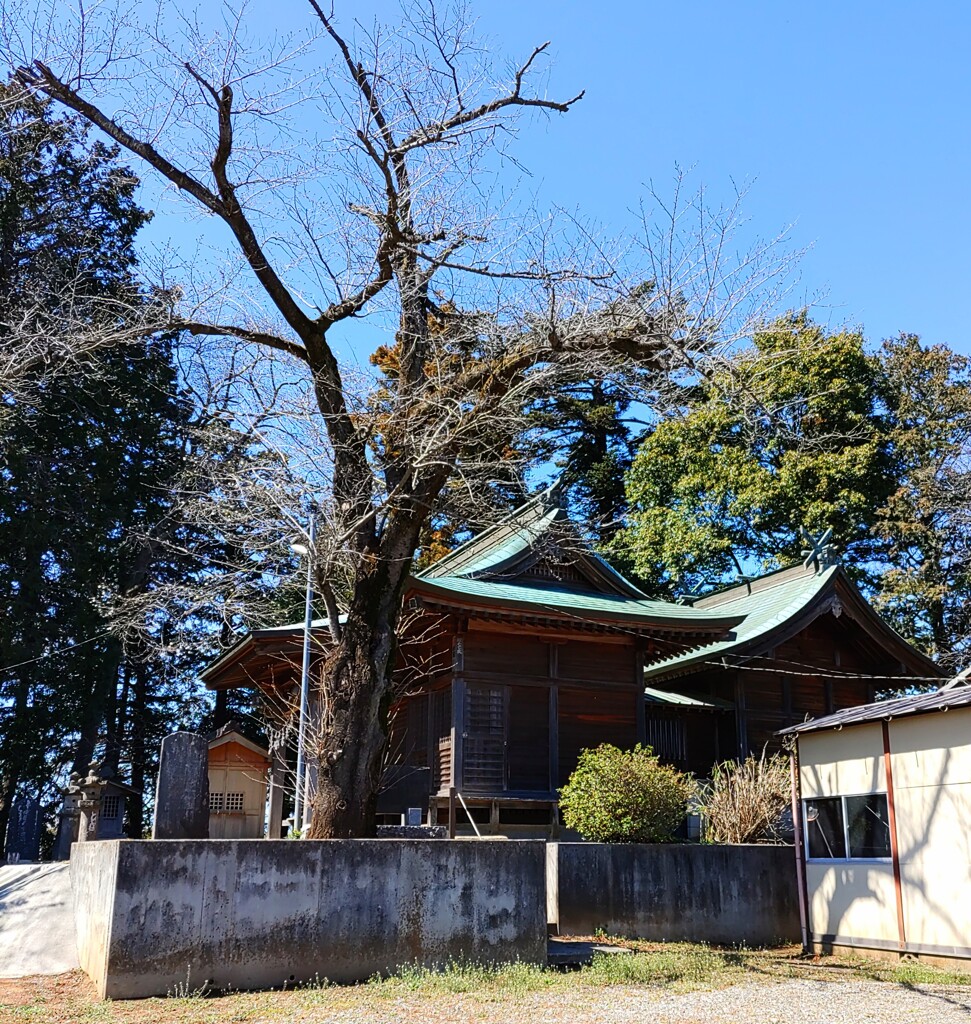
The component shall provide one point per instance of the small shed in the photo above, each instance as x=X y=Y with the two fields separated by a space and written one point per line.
x=882 y=803
x=238 y=779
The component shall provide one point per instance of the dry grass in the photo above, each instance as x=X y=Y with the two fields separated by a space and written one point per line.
x=744 y=801
x=513 y=992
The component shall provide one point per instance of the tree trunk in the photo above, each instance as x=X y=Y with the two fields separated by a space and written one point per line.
x=8 y=786
x=136 y=751
x=350 y=733
x=99 y=705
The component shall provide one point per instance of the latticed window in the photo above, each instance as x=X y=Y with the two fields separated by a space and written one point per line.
x=234 y=803
x=110 y=806
x=215 y=803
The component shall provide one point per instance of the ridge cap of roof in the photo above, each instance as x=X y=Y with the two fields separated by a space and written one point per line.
x=782 y=576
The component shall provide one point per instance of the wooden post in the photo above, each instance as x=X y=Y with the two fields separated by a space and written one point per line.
x=554 y=738
x=458 y=731
x=451 y=812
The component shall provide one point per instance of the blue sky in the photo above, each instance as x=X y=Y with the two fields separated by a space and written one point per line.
x=849 y=120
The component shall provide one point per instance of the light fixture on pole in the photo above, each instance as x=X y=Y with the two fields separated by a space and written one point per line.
x=299 y=798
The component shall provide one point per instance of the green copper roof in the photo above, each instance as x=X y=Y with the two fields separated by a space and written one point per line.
x=768 y=604
x=567 y=602
x=683 y=700
x=500 y=548
x=500 y=543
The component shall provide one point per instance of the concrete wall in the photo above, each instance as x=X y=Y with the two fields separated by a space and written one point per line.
x=261 y=913
x=853 y=902
x=718 y=894
x=94 y=870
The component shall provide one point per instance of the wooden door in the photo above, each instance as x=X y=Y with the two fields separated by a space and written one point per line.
x=528 y=750
x=484 y=739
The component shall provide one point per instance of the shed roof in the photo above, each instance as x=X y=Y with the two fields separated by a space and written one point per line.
x=916 y=704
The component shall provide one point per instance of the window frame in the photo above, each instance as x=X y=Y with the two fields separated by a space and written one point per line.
x=848 y=859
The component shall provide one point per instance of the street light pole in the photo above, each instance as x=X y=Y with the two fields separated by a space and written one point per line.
x=299 y=808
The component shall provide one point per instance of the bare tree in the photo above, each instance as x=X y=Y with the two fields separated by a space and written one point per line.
x=370 y=185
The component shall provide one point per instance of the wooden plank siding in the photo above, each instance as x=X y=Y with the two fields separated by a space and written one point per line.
x=783 y=686
x=517 y=709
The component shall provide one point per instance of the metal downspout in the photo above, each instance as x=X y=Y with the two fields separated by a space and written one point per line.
x=894 y=846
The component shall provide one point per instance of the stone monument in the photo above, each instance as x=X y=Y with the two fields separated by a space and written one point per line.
x=23 y=830
x=182 y=791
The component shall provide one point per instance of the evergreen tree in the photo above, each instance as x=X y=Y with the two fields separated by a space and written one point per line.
x=809 y=429
x=88 y=462
x=790 y=433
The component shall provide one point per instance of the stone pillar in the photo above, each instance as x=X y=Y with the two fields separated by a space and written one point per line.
x=23 y=830
x=89 y=804
x=182 y=791
x=70 y=817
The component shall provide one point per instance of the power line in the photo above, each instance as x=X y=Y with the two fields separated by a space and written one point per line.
x=55 y=652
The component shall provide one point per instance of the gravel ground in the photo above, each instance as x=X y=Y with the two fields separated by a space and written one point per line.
x=69 y=1000
x=792 y=1002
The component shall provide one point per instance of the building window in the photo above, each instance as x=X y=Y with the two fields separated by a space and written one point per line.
x=215 y=803
x=234 y=803
x=847 y=827
x=110 y=805
x=668 y=738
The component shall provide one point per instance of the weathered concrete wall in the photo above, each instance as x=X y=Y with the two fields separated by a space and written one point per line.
x=718 y=894
x=261 y=913
x=94 y=872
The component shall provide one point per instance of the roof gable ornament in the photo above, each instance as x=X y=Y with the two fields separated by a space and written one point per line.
x=820 y=552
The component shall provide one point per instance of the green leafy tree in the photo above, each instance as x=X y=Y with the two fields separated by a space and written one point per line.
x=925 y=524
x=807 y=428
x=788 y=433
x=625 y=796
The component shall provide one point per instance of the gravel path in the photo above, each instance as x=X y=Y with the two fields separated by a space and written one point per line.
x=782 y=1002
x=792 y=1002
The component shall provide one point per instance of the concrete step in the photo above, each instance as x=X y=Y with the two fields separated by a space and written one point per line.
x=567 y=952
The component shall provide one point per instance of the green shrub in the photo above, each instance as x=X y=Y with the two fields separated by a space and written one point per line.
x=624 y=796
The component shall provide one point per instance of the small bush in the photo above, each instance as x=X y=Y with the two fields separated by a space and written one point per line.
x=744 y=803
x=624 y=796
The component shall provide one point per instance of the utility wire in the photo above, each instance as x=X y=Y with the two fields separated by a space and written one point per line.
x=55 y=652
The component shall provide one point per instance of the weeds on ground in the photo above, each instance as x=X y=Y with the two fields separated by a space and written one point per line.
x=678 y=966
x=907 y=972
x=513 y=979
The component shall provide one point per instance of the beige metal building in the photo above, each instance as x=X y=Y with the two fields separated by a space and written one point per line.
x=883 y=816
